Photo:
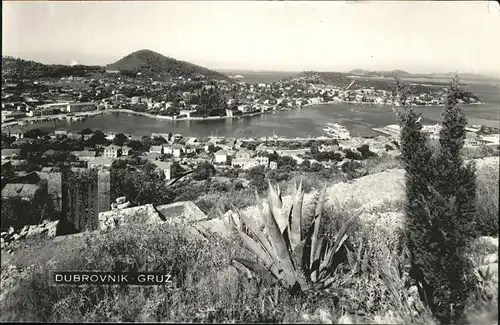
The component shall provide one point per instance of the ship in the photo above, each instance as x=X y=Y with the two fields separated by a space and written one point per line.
x=337 y=131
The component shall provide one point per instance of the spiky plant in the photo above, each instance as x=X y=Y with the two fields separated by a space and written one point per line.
x=301 y=261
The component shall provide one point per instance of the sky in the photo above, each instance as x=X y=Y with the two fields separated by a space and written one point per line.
x=429 y=36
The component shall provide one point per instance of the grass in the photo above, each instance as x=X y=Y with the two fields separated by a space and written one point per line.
x=209 y=288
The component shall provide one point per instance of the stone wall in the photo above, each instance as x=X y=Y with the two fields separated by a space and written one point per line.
x=54 y=189
x=104 y=190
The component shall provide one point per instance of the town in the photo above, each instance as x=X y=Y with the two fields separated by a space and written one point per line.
x=194 y=96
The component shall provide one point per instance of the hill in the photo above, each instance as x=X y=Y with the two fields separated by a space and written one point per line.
x=324 y=78
x=402 y=73
x=361 y=72
x=24 y=69
x=150 y=63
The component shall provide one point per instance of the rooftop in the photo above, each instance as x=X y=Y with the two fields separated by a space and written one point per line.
x=19 y=190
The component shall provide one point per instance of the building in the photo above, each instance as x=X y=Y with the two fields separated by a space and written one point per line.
x=263 y=161
x=221 y=157
x=156 y=149
x=126 y=150
x=273 y=165
x=243 y=154
x=101 y=162
x=81 y=107
x=84 y=155
x=187 y=112
x=229 y=113
x=10 y=153
x=165 y=168
x=112 y=151
x=16 y=133
x=176 y=151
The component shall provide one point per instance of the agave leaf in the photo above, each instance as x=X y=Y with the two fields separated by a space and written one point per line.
x=316 y=222
x=296 y=216
x=276 y=205
x=280 y=246
x=265 y=274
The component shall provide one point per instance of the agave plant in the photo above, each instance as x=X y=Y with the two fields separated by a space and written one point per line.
x=300 y=260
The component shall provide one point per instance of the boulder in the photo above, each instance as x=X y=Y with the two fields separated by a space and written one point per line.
x=4 y=233
x=490 y=269
x=490 y=259
x=37 y=232
x=15 y=237
x=51 y=227
x=11 y=230
x=25 y=228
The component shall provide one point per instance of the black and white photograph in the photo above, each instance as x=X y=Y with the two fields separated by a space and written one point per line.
x=332 y=162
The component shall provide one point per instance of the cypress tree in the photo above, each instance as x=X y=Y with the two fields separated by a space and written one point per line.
x=440 y=208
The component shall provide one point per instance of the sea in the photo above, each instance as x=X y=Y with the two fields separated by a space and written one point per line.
x=359 y=119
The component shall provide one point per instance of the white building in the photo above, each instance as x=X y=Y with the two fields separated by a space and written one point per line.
x=221 y=157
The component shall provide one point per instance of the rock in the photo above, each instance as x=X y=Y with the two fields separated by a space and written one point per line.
x=489 y=269
x=11 y=230
x=3 y=234
x=9 y=251
x=2 y=240
x=25 y=229
x=52 y=228
x=44 y=222
x=324 y=316
x=3 y=245
x=37 y=232
x=16 y=237
x=345 y=319
x=490 y=259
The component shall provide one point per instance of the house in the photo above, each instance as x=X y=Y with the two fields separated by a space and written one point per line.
x=191 y=141
x=328 y=148
x=126 y=150
x=263 y=161
x=84 y=155
x=165 y=168
x=221 y=157
x=229 y=113
x=177 y=151
x=60 y=133
x=243 y=154
x=100 y=162
x=10 y=153
x=156 y=149
x=245 y=163
x=18 y=134
x=112 y=151
x=81 y=107
x=273 y=165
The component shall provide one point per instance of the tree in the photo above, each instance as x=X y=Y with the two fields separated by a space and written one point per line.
x=120 y=139
x=35 y=133
x=86 y=131
x=177 y=170
x=316 y=167
x=97 y=139
x=204 y=171
x=440 y=208
x=257 y=178
x=136 y=145
x=158 y=141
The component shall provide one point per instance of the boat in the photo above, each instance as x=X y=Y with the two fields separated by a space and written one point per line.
x=337 y=131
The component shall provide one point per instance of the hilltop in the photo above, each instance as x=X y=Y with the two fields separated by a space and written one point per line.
x=24 y=69
x=150 y=63
x=324 y=78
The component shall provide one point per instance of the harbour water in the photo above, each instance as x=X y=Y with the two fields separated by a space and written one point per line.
x=299 y=122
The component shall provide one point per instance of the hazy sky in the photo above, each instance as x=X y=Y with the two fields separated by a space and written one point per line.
x=278 y=35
